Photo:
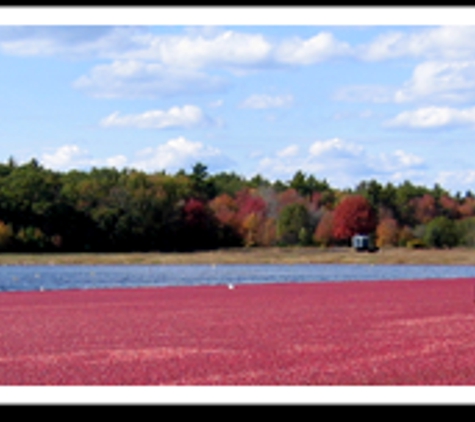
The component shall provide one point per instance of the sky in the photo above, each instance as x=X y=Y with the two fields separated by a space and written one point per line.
x=342 y=95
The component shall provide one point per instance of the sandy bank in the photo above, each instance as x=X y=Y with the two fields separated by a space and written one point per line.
x=290 y=255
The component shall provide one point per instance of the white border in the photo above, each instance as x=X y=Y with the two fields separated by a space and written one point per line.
x=234 y=15
x=237 y=395
x=201 y=15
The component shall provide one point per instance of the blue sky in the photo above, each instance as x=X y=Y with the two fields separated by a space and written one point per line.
x=346 y=100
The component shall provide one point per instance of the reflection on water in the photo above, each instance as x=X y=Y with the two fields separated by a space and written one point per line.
x=108 y=276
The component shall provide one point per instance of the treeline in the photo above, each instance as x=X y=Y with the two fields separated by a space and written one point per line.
x=106 y=209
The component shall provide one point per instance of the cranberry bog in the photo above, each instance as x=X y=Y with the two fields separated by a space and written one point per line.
x=384 y=333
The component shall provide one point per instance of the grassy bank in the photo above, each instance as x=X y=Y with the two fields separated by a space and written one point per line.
x=295 y=255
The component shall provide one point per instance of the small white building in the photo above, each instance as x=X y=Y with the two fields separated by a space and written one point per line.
x=361 y=242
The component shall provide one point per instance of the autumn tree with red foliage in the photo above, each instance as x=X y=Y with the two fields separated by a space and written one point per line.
x=251 y=213
x=353 y=215
x=244 y=220
x=424 y=208
x=449 y=207
x=467 y=207
x=248 y=201
x=289 y=197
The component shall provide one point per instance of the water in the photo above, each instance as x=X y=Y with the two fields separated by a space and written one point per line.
x=25 y=278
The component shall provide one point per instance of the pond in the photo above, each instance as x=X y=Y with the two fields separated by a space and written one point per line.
x=34 y=277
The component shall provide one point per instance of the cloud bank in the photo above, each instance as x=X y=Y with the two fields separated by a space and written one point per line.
x=187 y=116
x=342 y=163
x=171 y=156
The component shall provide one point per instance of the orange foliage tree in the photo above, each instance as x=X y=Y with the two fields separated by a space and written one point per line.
x=250 y=227
x=6 y=235
x=323 y=234
x=387 y=232
x=225 y=209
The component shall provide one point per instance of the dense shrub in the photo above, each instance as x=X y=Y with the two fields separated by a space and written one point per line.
x=466 y=230
x=406 y=235
x=441 y=232
x=415 y=244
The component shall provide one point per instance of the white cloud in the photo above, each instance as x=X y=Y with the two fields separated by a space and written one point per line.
x=139 y=79
x=431 y=81
x=433 y=117
x=176 y=117
x=67 y=157
x=397 y=162
x=179 y=153
x=332 y=146
x=175 y=154
x=146 y=64
x=407 y=159
x=447 y=76
x=289 y=151
x=226 y=49
x=267 y=101
x=74 y=41
x=383 y=47
x=442 y=81
x=449 y=42
x=313 y=50
x=218 y=47
x=192 y=51
x=342 y=163
x=458 y=180
x=117 y=161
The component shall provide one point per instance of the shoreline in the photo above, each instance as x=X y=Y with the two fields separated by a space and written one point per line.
x=271 y=255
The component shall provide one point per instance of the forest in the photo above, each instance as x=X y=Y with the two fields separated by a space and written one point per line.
x=111 y=210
